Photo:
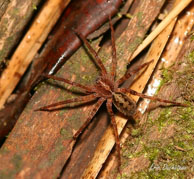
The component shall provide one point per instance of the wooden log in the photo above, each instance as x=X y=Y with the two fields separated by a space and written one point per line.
x=38 y=145
x=13 y=23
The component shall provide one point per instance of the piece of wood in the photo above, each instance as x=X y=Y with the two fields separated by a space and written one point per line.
x=13 y=23
x=29 y=46
x=169 y=56
x=152 y=151
x=3 y=6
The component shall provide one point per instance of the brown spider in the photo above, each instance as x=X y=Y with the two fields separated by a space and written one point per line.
x=106 y=89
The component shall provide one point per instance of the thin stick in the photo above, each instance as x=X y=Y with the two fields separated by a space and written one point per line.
x=174 y=13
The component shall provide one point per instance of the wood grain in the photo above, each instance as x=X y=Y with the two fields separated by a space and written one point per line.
x=29 y=46
x=170 y=17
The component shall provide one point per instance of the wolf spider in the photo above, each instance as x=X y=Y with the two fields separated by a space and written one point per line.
x=105 y=89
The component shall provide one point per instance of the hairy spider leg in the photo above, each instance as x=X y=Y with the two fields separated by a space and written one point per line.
x=84 y=99
x=109 y=101
x=68 y=82
x=115 y=129
x=96 y=58
x=114 y=57
x=124 y=90
x=129 y=73
x=86 y=123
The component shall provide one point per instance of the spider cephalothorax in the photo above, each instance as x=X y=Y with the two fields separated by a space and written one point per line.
x=106 y=89
x=104 y=86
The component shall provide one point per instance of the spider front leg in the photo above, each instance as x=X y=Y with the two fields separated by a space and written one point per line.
x=96 y=58
x=129 y=73
x=84 y=99
x=68 y=82
x=114 y=57
x=124 y=90
x=113 y=121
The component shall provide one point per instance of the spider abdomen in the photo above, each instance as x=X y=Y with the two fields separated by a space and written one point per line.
x=124 y=104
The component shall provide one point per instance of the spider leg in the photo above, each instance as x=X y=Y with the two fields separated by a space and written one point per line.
x=109 y=108
x=91 y=115
x=68 y=82
x=130 y=73
x=124 y=90
x=96 y=58
x=114 y=58
x=87 y=98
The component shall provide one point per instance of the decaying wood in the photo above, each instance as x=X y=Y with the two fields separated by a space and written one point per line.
x=173 y=131
x=13 y=23
x=3 y=7
x=172 y=50
x=29 y=46
x=38 y=145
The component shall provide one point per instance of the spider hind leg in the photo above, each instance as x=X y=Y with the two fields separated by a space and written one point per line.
x=124 y=90
x=59 y=105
